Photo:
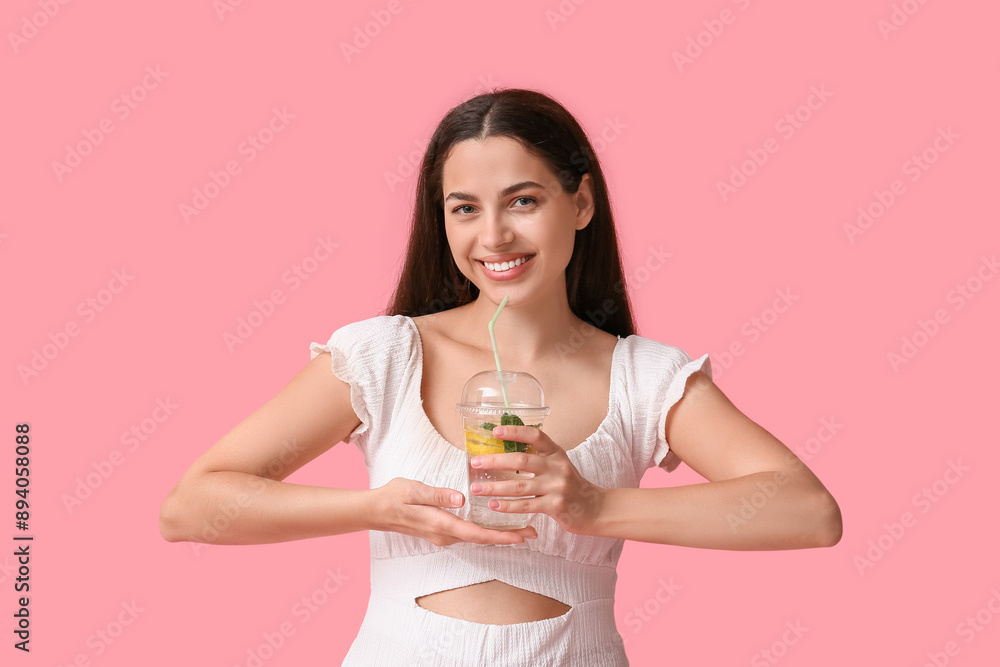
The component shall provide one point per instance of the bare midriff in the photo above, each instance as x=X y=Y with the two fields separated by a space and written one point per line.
x=493 y=602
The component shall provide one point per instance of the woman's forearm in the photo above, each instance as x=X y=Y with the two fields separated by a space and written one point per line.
x=228 y=507
x=762 y=511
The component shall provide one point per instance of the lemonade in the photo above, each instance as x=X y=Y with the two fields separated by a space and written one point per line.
x=489 y=399
x=479 y=440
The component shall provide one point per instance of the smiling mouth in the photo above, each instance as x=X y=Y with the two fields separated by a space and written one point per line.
x=500 y=267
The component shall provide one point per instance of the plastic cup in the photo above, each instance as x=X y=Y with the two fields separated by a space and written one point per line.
x=482 y=408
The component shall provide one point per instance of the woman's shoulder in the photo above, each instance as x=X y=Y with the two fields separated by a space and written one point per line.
x=381 y=332
x=377 y=323
x=435 y=327
x=647 y=358
x=644 y=345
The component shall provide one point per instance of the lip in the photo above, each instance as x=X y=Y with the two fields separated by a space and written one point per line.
x=509 y=274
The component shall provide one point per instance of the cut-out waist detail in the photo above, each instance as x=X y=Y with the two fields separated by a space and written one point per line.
x=493 y=602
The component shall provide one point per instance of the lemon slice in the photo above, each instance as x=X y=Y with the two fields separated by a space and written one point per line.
x=476 y=443
x=475 y=449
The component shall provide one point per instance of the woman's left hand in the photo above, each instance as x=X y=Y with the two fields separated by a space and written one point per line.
x=559 y=489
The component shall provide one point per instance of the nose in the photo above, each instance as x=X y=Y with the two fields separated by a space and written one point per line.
x=496 y=230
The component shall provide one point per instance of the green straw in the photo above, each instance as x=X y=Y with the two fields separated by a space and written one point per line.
x=496 y=353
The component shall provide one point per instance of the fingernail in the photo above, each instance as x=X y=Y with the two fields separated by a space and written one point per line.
x=494 y=504
x=476 y=488
x=456 y=499
x=499 y=430
x=476 y=462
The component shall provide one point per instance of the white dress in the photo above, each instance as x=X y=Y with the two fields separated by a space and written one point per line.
x=382 y=359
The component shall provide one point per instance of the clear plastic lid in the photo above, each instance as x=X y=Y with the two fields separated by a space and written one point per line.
x=483 y=395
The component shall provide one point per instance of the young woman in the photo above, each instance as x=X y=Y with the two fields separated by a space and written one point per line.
x=511 y=201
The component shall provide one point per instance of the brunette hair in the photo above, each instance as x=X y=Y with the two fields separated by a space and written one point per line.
x=430 y=281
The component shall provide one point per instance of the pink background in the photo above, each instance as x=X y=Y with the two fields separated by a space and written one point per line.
x=670 y=132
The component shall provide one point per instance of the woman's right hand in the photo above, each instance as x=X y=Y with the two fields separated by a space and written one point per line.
x=414 y=508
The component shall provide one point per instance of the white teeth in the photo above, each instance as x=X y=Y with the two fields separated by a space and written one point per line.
x=504 y=266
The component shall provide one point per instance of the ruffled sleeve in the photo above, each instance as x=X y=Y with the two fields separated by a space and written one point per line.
x=662 y=456
x=341 y=349
x=362 y=355
x=657 y=376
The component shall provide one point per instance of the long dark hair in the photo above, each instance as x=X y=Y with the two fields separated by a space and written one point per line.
x=595 y=285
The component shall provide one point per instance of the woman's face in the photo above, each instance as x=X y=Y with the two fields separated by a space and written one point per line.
x=501 y=204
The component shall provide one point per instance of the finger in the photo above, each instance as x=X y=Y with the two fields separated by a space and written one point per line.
x=518 y=536
x=442 y=497
x=470 y=532
x=522 y=534
x=466 y=531
x=527 y=533
x=529 y=435
x=520 y=506
x=512 y=461
x=511 y=487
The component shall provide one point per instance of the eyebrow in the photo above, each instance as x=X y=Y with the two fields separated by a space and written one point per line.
x=503 y=193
